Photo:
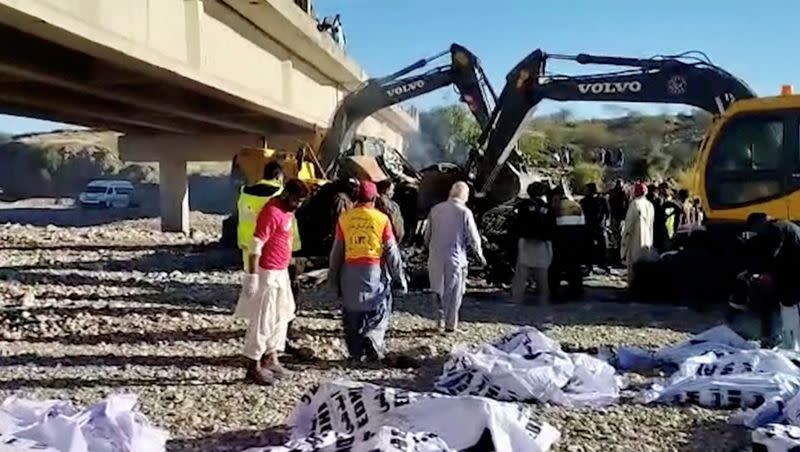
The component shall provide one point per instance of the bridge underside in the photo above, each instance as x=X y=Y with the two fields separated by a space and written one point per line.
x=164 y=122
x=41 y=79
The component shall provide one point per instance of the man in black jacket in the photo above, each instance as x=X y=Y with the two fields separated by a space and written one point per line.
x=534 y=228
x=618 y=208
x=776 y=258
x=596 y=212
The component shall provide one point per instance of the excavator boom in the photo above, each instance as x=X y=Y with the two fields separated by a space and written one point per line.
x=679 y=79
x=463 y=72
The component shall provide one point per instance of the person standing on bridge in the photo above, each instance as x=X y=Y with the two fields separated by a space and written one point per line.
x=267 y=301
x=364 y=262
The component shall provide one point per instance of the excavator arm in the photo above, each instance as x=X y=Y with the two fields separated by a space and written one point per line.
x=464 y=72
x=680 y=79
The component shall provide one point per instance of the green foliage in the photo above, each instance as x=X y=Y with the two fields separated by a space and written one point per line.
x=533 y=147
x=584 y=173
x=654 y=145
x=447 y=133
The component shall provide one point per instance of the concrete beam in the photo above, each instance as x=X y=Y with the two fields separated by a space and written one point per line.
x=116 y=94
x=173 y=192
x=90 y=112
x=187 y=148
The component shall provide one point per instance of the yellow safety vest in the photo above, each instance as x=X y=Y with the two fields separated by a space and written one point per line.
x=363 y=229
x=296 y=244
x=249 y=207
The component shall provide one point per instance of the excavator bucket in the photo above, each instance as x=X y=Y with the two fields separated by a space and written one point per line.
x=362 y=167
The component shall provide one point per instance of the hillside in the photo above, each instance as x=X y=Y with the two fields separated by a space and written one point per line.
x=60 y=163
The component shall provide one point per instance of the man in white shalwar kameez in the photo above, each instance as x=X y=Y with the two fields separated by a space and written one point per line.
x=266 y=300
x=451 y=230
x=637 y=232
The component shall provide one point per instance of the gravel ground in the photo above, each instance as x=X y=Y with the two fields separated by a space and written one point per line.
x=122 y=307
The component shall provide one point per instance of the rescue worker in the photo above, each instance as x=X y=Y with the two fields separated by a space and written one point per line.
x=267 y=301
x=387 y=205
x=451 y=230
x=637 y=232
x=776 y=259
x=534 y=227
x=569 y=245
x=364 y=263
x=596 y=211
x=252 y=199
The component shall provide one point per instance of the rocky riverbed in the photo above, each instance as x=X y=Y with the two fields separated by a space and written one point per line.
x=121 y=307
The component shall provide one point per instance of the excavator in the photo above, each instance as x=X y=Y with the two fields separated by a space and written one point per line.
x=678 y=79
x=748 y=161
x=339 y=153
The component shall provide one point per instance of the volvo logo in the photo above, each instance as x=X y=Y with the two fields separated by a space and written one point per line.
x=406 y=88
x=610 y=87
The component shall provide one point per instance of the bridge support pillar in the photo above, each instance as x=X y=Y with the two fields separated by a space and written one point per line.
x=173 y=194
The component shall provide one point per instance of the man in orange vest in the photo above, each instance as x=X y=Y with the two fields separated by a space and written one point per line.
x=364 y=263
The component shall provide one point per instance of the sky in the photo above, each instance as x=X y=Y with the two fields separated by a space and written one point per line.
x=756 y=40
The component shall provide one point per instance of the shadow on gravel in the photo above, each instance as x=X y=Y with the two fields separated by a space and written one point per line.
x=164 y=258
x=230 y=441
x=153 y=337
x=72 y=383
x=484 y=308
x=417 y=379
x=709 y=435
x=182 y=362
x=163 y=291
x=71 y=311
x=391 y=333
x=90 y=247
x=70 y=217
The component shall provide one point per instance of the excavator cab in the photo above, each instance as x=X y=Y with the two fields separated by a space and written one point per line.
x=750 y=162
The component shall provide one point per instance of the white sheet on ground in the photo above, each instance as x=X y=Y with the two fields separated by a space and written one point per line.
x=526 y=365
x=720 y=340
x=108 y=426
x=384 y=439
x=743 y=379
x=776 y=438
x=356 y=414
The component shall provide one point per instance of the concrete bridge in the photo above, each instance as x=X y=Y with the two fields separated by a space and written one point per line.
x=185 y=80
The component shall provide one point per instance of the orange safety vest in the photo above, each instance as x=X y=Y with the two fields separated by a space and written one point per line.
x=363 y=230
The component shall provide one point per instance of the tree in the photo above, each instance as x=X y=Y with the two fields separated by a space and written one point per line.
x=448 y=133
x=532 y=146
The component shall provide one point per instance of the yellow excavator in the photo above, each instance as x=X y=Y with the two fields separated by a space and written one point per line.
x=749 y=160
x=336 y=152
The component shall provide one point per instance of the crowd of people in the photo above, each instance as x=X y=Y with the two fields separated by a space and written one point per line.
x=365 y=263
x=611 y=157
x=558 y=237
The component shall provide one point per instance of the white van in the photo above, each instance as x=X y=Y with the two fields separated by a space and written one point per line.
x=108 y=193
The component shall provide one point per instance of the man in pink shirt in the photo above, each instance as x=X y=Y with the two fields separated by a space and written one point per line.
x=267 y=301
